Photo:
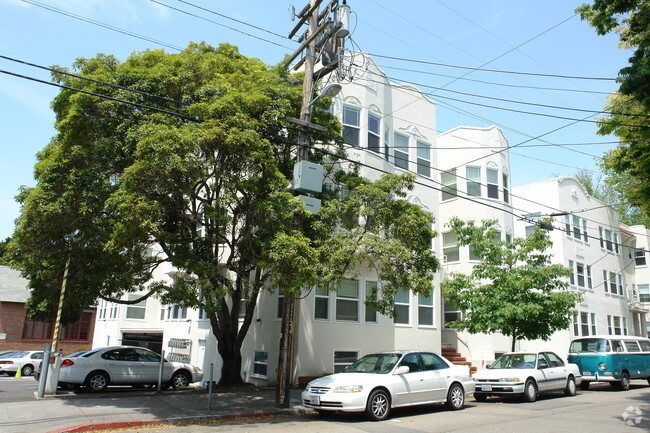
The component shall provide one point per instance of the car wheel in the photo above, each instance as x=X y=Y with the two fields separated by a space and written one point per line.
x=97 y=381
x=455 y=397
x=27 y=370
x=530 y=391
x=180 y=379
x=480 y=397
x=624 y=384
x=378 y=406
x=584 y=385
x=570 y=389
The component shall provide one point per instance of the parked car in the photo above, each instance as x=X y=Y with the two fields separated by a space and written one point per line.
x=124 y=365
x=611 y=358
x=23 y=360
x=526 y=374
x=37 y=371
x=379 y=382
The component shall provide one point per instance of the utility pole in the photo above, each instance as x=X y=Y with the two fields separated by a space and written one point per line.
x=322 y=30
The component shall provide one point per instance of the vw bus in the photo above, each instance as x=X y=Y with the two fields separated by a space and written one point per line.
x=612 y=358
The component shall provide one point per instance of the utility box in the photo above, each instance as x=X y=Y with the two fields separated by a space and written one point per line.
x=311 y=204
x=308 y=177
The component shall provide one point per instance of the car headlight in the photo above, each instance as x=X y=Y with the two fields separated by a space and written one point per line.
x=602 y=366
x=349 y=388
x=308 y=388
x=510 y=379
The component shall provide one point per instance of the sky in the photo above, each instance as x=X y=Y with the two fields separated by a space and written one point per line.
x=442 y=46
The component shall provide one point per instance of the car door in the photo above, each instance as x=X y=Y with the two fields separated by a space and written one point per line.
x=437 y=375
x=411 y=387
x=123 y=365
x=556 y=371
x=149 y=365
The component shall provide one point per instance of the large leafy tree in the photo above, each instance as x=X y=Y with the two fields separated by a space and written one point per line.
x=514 y=289
x=123 y=188
x=629 y=107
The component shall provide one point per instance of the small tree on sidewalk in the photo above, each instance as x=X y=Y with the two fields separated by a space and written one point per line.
x=514 y=289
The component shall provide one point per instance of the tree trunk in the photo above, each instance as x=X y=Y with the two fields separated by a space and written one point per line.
x=514 y=342
x=229 y=349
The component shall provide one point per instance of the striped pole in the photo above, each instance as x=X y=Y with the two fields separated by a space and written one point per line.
x=57 y=323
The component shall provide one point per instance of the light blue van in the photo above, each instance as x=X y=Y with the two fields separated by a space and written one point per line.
x=612 y=358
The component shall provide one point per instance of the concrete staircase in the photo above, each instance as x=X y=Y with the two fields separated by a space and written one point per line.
x=456 y=358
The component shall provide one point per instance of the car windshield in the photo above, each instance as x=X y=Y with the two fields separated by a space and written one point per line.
x=17 y=355
x=6 y=354
x=516 y=360
x=381 y=363
x=590 y=345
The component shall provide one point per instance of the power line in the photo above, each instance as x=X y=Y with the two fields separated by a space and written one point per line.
x=100 y=24
x=534 y=74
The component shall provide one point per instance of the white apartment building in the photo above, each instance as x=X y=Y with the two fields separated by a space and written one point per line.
x=639 y=296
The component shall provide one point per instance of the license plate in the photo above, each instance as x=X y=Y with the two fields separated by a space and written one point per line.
x=315 y=400
x=586 y=373
x=486 y=387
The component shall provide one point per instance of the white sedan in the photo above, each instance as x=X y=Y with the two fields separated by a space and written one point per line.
x=526 y=374
x=379 y=382
x=23 y=360
x=124 y=365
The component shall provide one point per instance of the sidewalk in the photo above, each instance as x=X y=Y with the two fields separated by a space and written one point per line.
x=68 y=413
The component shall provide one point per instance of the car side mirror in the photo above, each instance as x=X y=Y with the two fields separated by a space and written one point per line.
x=402 y=369
x=542 y=365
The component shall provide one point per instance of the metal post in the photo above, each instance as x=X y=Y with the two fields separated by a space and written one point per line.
x=45 y=367
x=160 y=371
x=210 y=387
x=57 y=323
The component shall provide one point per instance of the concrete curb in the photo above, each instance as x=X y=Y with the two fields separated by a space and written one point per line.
x=203 y=419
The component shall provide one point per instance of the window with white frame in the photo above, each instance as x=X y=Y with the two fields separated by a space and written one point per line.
x=576 y=227
x=101 y=310
x=531 y=220
x=401 y=151
x=374 y=133
x=616 y=244
x=347 y=301
x=371 y=292
x=449 y=184
x=567 y=224
x=506 y=188
x=402 y=307
x=423 y=158
x=585 y=236
x=450 y=247
x=136 y=311
x=280 y=304
x=203 y=314
x=452 y=313
x=639 y=257
x=580 y=273
x=387 y=143
x=613 y=283
x=590 y=284
x=173 y=312
x=425 y=310
x=344 y=358
x=322 y=304
x=644 y=292
x=609 y=240
x=260 y=365
x=615 y=325
x=572 y=278
x=473 y=175
x=602 y=237
x=351 y=125
x=492 y=183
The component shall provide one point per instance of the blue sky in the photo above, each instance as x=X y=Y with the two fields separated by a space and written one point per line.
x=541 y=37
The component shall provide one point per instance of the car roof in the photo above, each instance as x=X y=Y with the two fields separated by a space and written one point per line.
x=611 y=337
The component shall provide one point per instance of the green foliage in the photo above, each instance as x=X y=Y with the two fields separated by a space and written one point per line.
x=210 y=196
x=629 y=164
x=514 y=289
x=3 y=250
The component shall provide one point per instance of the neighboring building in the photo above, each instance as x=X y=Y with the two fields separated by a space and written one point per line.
x=18 y=332
x=640 y=290
x=588 y=238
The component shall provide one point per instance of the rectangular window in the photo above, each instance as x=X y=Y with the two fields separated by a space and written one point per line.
x=576 y=227
x=371 y=292
x=402 y=307
x=280 y=304
x=602 y=240
x=506 y=189
x=387 y=144
x=572 y=278
x=639 y=257
x=260 y=364
x=473 y=181
x=344 y=358
x=590 y=284
x=605 y=281
x=613 y=288
x=450 y=248
x=531 y=220
x=374 y=133
x=401 y=151
x=493 y=183
x=584 y=323
x=136 y=311
x=424 y=158
x=347 y=301
x=576 y=325
x=580 y=272
x=322 y=303
x=452 y=313
x=101 y=311
x=616 y=244
x=449 y=184
x=585 y=236
x=176 y=312
x=567 y=224
x=593 y=324
x=609 y=242
x=425 y=310
x=351 y=118
x=644 y=292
